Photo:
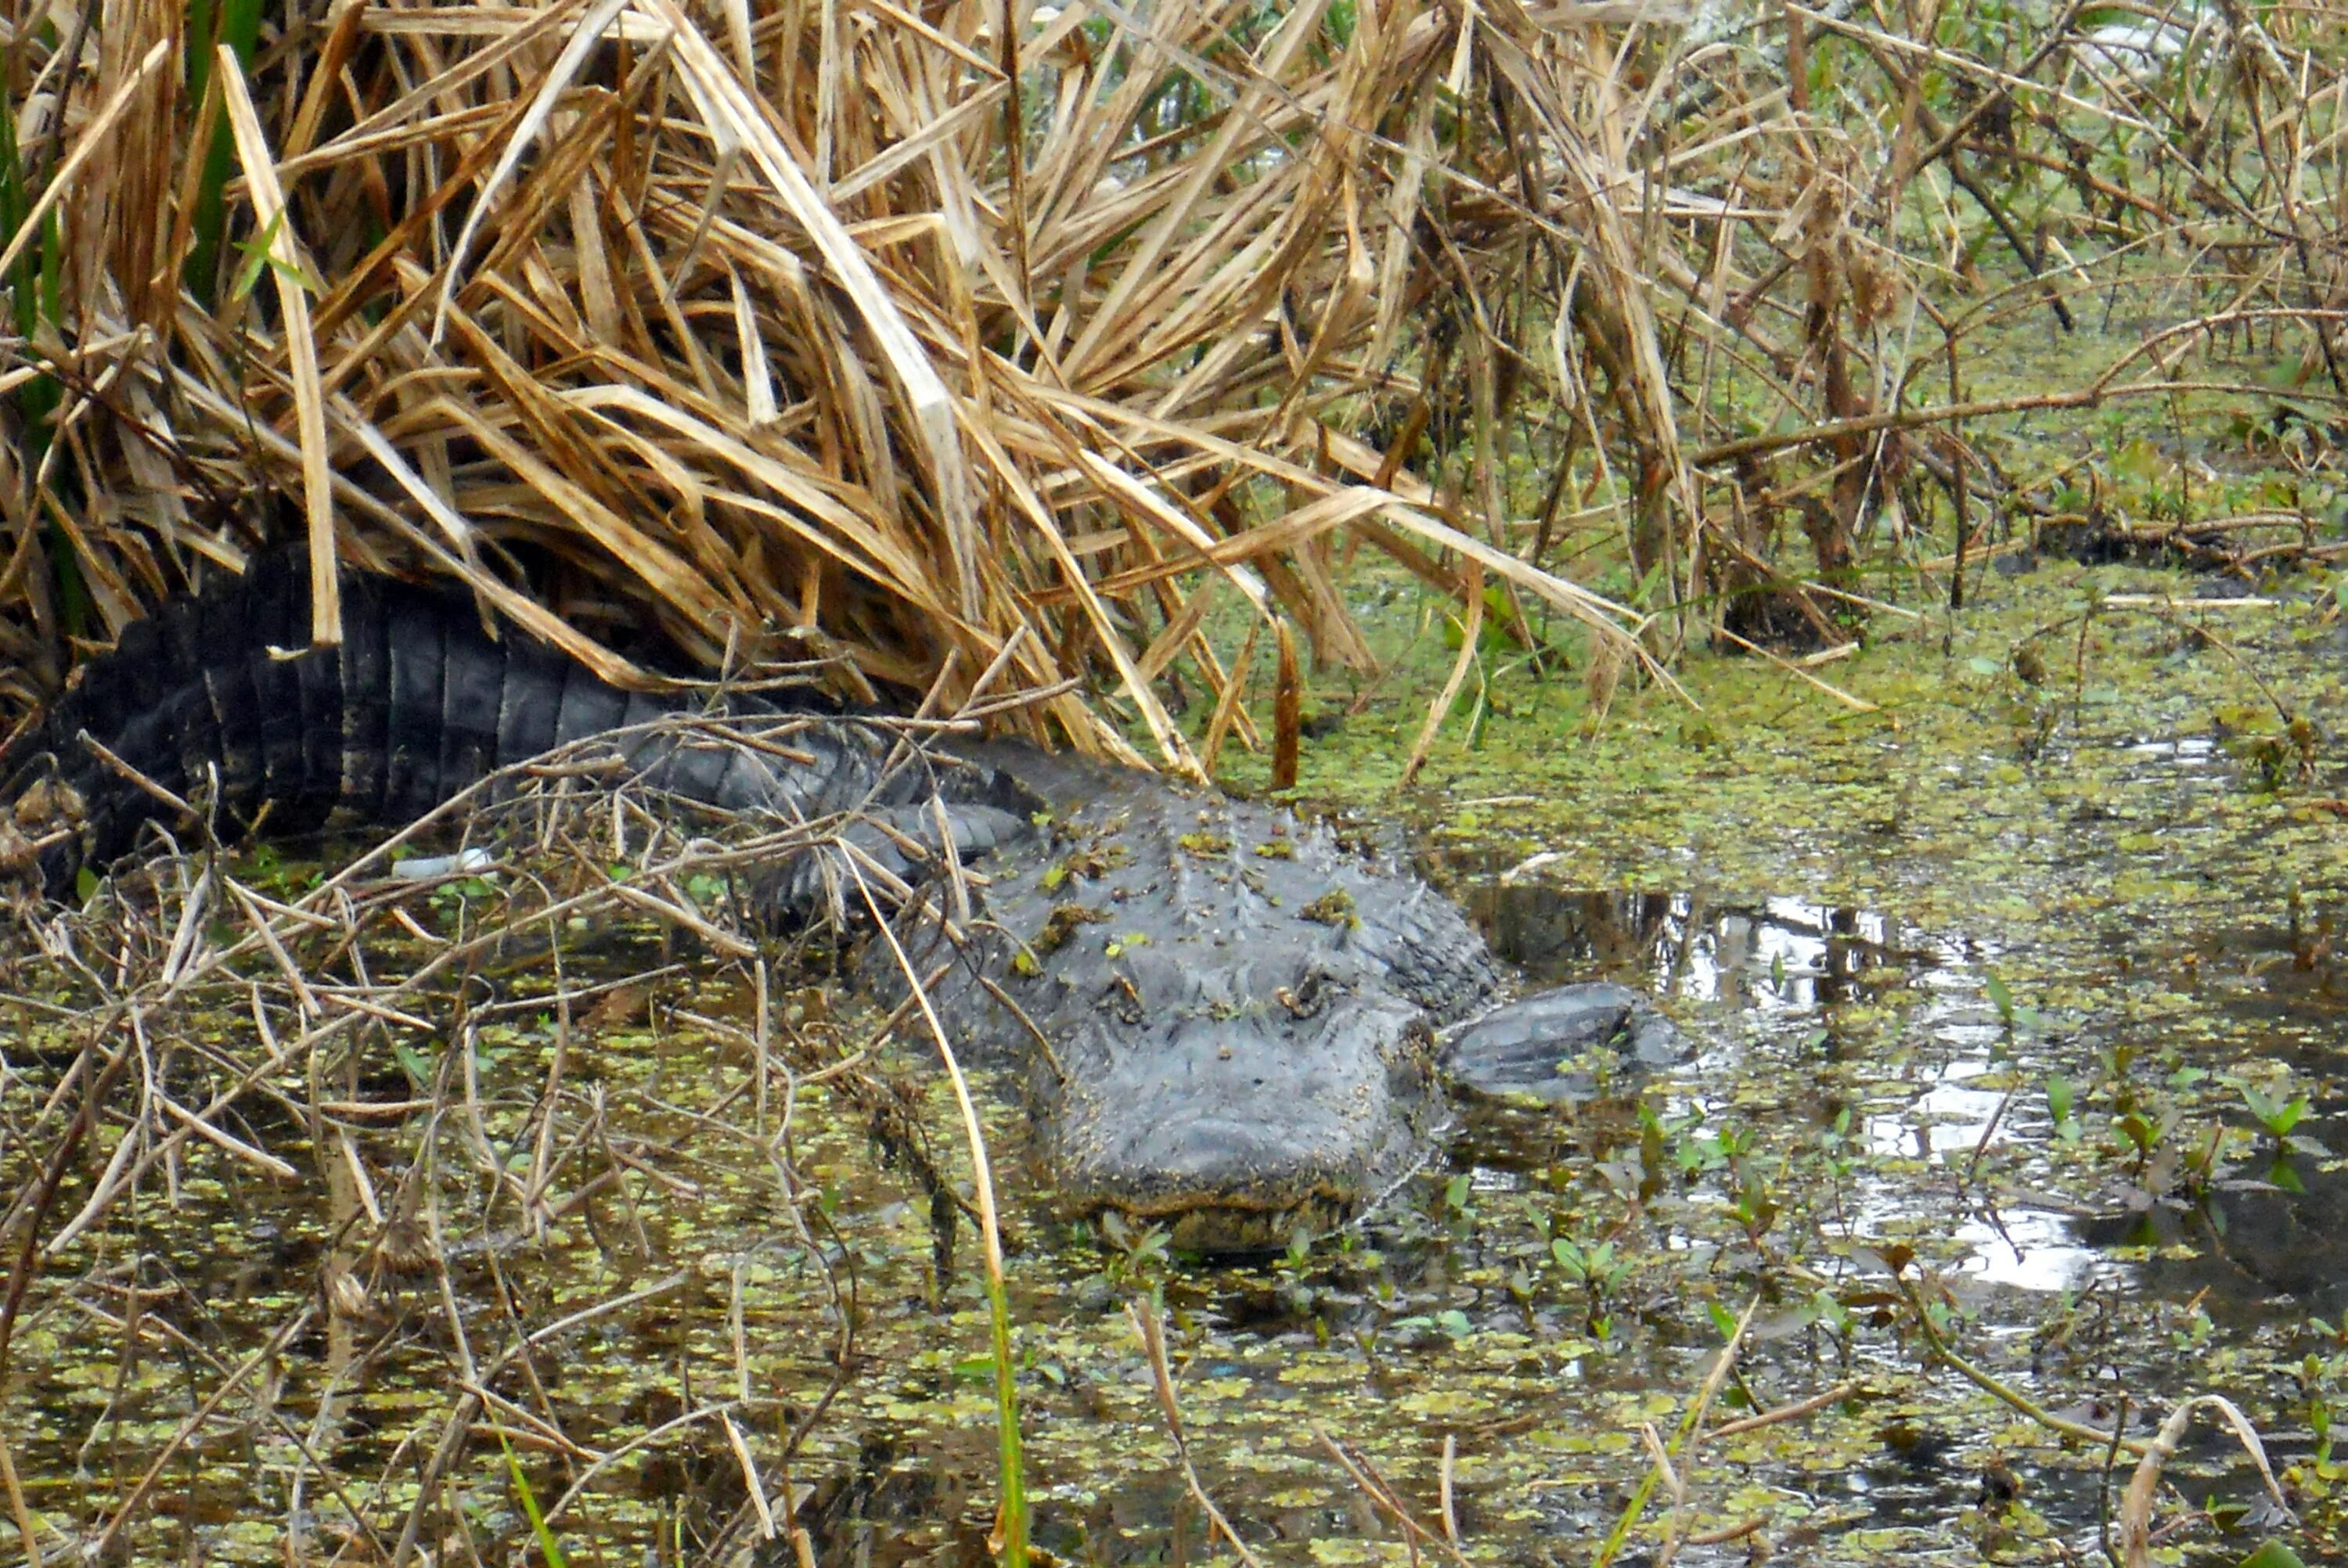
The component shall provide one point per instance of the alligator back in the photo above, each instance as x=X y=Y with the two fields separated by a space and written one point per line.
x=218 y=698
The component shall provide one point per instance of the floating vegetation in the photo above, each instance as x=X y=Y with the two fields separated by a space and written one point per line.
x=510 y=1162
x=549 y=1206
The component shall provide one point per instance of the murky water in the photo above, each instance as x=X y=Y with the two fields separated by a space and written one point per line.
x=1445 y=1312
x=1868 y=1131
x=1782 y=967
x=2258 y=1247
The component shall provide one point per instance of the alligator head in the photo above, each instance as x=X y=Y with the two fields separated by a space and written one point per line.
x=1226 y=1016
x=1236 y=1126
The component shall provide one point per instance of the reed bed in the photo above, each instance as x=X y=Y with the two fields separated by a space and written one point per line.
x=1093 y=342
x=942 y=344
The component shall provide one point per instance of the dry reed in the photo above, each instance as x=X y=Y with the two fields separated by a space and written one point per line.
x=934 y=341
x=368 y=1042
x=1087 y=340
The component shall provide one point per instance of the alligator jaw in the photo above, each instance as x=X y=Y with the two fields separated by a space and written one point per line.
x=1223 y=1228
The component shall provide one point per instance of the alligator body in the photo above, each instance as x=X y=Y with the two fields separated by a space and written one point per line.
x=1229 y=1017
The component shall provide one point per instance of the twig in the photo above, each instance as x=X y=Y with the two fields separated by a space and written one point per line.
x=2002 y=1392
x=22 y=1516
x=1382 y=1497
x=1793 y=1412
x=1152 y=1334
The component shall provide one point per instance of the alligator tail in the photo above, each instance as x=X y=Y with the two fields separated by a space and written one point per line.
x=207 y=700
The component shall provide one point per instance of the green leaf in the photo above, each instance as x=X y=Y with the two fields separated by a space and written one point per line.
x=237 y=24
x=1456 y=1191
x=2278 y=1117
x=2000 y=998
x=2273 y=1554
x=1645 y=591
x=547 y=1547
x=256 y=257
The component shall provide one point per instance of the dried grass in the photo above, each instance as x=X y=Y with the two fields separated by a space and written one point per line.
x=193 y=1027
x=1093 y=343
x=936 y=343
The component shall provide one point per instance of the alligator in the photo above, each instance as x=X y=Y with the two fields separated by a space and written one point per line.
x=1236 y=1023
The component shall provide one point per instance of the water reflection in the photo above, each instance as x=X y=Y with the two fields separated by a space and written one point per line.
x=1780 y=955
x=2030 y=1249
x=1786 y=964
x=2182 y=750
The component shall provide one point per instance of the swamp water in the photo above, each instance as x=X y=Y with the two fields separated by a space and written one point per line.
x=1992 y=986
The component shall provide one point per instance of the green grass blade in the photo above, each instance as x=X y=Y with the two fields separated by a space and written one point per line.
x=237 y=24
x=547 y=1547
x=1006 y=1421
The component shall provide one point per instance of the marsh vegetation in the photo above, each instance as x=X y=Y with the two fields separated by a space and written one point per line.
x=1832 y=514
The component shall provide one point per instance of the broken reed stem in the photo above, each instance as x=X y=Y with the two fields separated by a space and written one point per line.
x=1287 y=709
x=1792 y=1412
x=1149 y=1328
x=1471 y=637
x=1450 y=1517
x=1688 y=1433
x=1382 y=1497
x=2135 y=1507
x=22 y=1516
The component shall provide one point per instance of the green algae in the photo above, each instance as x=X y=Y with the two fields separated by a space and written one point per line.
x=1827 y=896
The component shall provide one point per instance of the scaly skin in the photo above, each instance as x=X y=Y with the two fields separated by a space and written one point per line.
x=1240 y=1009
x=1229 y=1016
x=417 y=704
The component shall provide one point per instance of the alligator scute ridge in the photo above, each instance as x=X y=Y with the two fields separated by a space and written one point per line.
x=1241 y=1046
